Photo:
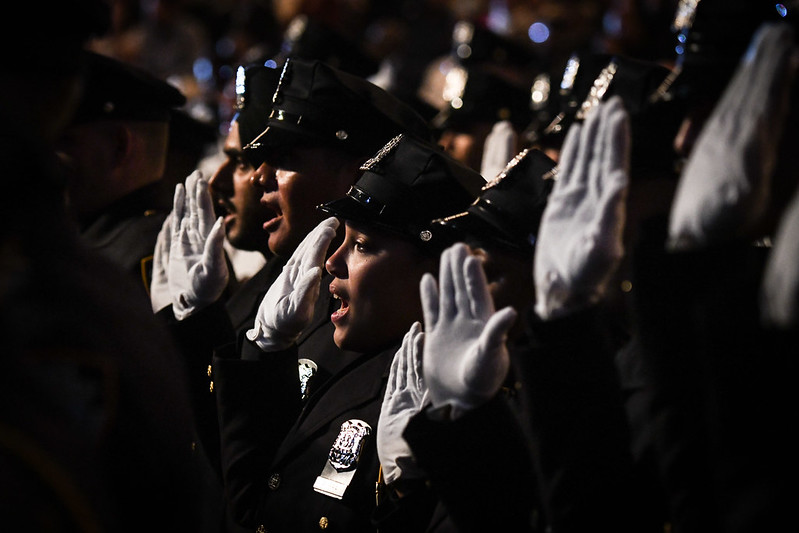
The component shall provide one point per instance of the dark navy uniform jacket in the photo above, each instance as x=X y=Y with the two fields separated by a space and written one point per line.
x=126 y=231
x=273 y=447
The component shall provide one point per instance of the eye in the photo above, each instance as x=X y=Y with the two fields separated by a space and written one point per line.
x=242 y=163
x=361 y=246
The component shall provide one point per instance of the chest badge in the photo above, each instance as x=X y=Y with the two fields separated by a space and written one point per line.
x=342 y=460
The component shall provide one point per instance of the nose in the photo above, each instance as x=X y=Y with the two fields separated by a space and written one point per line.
x=336 y=265
x=222 y=178
x=264 y=177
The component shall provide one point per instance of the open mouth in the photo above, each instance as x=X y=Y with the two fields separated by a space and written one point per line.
x=276 y=214
x=341 y=312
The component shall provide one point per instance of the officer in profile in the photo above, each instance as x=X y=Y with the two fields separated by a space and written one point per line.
x=322 y=472
x=115 y=153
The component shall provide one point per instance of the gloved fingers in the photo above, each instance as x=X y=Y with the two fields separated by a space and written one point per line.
x=585 y=149
x=416 y=346
x=568 y=156
x=458 y=259
x=205 y=208
x=311 y=240
x=428 y=292
x=394 y=383
x=191 y=194
x=616 y=156
x=763 y=68
x=306 y=291
x=315 y=253
x=447 y=304
x=178 y=207
x=478 y=298
x=213 y=253
x=611 y=212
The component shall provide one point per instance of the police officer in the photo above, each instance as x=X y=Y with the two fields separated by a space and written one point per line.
x=116 y=151
x=322 y=474
x=84 y=444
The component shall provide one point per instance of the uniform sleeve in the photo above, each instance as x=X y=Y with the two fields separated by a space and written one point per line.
x=479 y=466
x=258 y=402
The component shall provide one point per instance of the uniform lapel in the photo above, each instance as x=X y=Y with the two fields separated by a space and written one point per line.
x=357 y=384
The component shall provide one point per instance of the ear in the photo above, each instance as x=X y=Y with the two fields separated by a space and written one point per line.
x=123 y=141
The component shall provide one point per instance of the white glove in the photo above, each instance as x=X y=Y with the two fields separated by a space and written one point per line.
x=405 y=396
x=779 y=291
x=465 y=359
x=724 y=188
x=288 y=306
x=499 y=148
x=580 y=240
x=197 y=272
x=160 y=296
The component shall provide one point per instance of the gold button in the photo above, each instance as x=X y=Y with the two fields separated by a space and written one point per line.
x=211 y=387
x=323 y=522
x=209 y=371
x=260 y=529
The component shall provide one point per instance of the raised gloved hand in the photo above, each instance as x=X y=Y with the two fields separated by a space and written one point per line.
x=405 y=396
x=160 y=297
x=580 y=240
x=779 y=291
x=197 y=272
x=465 y=359
x=287 y=307
x=723 y=190
x=499 y=148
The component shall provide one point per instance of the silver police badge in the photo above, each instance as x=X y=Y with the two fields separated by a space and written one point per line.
x=347 y=448
x=342 y=459
x=307 y=369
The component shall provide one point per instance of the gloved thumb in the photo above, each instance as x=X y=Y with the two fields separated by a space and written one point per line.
x=496 y=329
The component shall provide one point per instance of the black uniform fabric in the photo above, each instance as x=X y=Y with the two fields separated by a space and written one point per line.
x=125 y=232
x=480 y=467
x=720 y=386
x=270 y=473
x=85 y=441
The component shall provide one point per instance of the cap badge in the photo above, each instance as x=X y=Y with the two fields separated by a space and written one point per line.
x=307 y=369
x=385 y=150
x=598 y=90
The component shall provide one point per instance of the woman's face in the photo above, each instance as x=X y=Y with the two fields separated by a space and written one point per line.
x=377 y=281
